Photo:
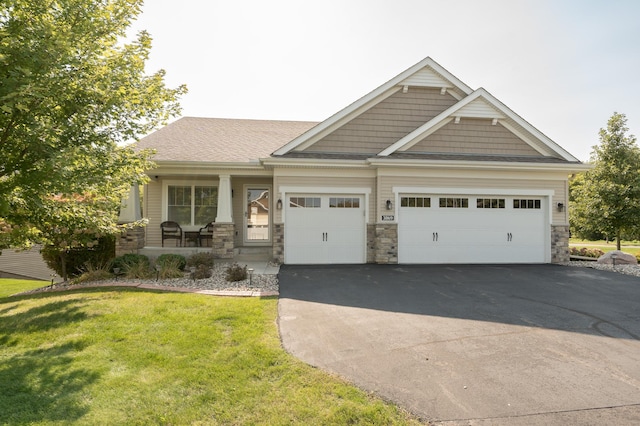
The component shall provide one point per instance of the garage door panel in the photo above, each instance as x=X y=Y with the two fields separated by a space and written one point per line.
x=331 y=232
x=472 y=235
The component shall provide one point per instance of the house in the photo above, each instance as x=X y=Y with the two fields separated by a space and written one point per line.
x=423 y=169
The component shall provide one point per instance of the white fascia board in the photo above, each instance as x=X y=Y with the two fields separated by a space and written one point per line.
x=421 y=132
x=528 y=127
x=314 y=162
x=479 y=165
x=362 y=104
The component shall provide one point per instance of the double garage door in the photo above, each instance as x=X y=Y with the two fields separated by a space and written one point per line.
x=324 y=229
x=331 y=228
x=472 y=229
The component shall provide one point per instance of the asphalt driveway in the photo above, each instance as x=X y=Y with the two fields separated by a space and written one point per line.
x=463 y=344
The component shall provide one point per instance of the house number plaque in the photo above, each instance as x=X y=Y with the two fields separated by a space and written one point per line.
x=388 y=217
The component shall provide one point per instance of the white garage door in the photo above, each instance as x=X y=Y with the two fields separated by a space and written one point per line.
x=472 y=229
x=324 y=229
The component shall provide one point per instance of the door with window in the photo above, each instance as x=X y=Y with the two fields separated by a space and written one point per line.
x=257 y=215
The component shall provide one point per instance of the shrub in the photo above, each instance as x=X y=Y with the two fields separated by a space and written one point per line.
x=236 y=272
x=93 y=272
x=128 y=259
x=201 y=272
x=76 y=259
x=585 y=252
x=175 y=260
x=170 y=266
x=133 y=265
x=198 y=259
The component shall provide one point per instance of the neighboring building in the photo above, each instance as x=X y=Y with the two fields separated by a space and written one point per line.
x=421 y=170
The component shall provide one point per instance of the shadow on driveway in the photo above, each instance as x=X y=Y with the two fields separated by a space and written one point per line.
x=549 y=296
x=488 y=344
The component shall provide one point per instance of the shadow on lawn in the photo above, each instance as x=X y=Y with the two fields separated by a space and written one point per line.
x=40 y=384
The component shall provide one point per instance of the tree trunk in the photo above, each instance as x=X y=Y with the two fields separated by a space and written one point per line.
x=618 y=240
x=63 y=265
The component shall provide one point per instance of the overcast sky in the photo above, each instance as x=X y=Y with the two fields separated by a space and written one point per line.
x=565 y=66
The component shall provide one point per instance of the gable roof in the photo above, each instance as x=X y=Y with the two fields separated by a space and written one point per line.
x=482 y=104
x=221 y=139
x=470 y=104
x=426 y=73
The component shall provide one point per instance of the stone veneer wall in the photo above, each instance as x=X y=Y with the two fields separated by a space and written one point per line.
x=371 y=243
x=559 y=243
x=130 y=241
x=386 y=236
x=222 y=240
x=278 y=242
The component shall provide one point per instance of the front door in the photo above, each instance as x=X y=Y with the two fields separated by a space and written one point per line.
x=257 y=215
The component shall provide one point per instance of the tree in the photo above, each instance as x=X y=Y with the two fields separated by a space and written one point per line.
x=72 y=93
x=606 y=200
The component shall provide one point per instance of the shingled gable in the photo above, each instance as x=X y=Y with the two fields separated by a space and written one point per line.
x=465 y=104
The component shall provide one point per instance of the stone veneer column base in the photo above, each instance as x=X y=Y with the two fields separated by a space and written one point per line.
x=559 y=243
x=278 y=242
x=386 y=243
x=130 y=241
x=222 y=240
x=371 y=243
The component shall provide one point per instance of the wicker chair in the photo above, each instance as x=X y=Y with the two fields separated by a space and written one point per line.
x=171 y=231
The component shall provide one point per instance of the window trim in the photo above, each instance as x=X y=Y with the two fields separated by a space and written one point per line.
x=184 y=182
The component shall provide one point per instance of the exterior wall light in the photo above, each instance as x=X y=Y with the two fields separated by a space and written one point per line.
x=389 y=205
x=560 y=207
x=279 y=204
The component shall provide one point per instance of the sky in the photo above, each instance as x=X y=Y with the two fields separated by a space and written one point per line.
x=565 y=66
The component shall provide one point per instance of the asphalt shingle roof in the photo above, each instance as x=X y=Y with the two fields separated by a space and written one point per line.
x=221 y=139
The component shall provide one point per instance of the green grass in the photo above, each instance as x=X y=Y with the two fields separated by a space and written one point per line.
x=632 y=247
x=12 y=286
x=114 y=356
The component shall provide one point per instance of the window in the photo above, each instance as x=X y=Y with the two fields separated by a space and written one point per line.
x=344 y=202
x=415 y=202
x=192 y=204
x=454 y=203
x=490 y=203
x=304 y=202
x=526 y=204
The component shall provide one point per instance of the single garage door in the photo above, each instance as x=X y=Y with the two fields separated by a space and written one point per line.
x=324 y=229
x=472 y=229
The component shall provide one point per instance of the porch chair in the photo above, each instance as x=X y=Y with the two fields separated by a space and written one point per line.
x=171 y=231
x=206 y=234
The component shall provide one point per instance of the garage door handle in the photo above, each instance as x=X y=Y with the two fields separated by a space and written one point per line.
x=435 y=236
x=509 y=236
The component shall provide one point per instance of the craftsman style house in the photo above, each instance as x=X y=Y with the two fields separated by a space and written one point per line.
x=423 y=169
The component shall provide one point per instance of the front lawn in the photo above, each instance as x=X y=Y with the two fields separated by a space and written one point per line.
x=12 y=286
x=127 y=356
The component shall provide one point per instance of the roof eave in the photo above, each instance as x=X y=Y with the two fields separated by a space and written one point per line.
x=486 y=165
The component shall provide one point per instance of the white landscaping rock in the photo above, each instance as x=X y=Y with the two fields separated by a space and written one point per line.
x=617 y=257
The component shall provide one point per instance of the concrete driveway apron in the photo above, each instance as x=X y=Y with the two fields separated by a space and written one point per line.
x=484 y=344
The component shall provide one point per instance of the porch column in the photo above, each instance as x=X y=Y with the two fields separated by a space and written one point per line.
x=131 y=239
x=130 y=206
x=224 y=200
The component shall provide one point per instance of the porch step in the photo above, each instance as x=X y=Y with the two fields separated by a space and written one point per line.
x=253 y=250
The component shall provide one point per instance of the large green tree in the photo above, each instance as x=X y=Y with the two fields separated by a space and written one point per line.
x=606 y=199
x=73 y=90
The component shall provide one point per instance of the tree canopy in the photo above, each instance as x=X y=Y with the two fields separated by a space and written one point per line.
x=606 y=199
x=72 y=92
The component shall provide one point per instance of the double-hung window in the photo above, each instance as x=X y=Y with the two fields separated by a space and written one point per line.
x=192 y=205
